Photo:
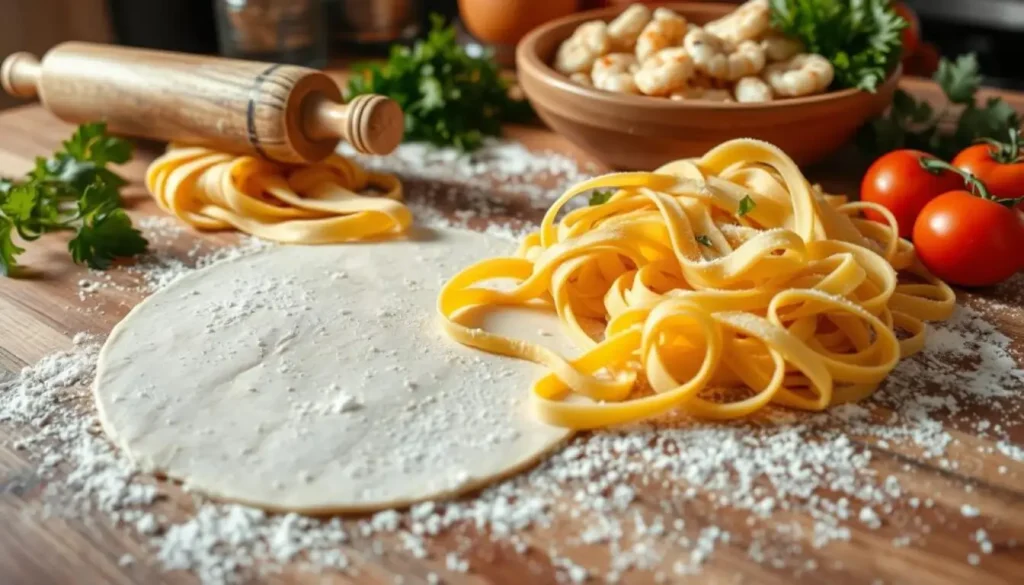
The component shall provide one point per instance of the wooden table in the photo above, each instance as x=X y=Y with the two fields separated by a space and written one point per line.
x=39 y=313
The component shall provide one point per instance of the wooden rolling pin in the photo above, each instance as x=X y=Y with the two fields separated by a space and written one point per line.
x=283 y=112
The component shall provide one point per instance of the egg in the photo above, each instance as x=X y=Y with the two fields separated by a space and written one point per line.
x=504 y=22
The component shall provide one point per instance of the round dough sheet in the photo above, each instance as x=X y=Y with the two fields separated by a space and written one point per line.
x=317 y=379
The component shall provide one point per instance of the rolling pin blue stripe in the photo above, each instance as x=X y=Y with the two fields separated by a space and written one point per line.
x=250 y=110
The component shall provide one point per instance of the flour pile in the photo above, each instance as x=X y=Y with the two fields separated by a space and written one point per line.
x=855 y=469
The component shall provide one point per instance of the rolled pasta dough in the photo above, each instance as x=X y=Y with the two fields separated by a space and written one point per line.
x=317 y=379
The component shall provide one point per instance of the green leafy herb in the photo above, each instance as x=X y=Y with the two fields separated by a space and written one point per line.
x=90 y=143
x=19 y=203
x=72 y=190
x=449 y=97
x=8 y=249
x=600 y=196
x=915 y=124
x=861 y=38
x=746 y=206
x=704 y=241
x=959 y=80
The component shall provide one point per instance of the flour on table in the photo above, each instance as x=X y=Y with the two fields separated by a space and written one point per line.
x=727 y=480
x=247 y=382
x=501 y=179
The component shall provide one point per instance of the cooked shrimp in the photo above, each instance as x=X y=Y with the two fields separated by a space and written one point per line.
x=615 y=73
x=747 y=59
x=752 y=90
x=780 y=48
x=612 y=64
x=718 y=59
x=626 y=27
x=673 y=24
x=667 y=29
x=748 y=22
x=805 y=74
x=617 y=83
x=665 y=72
x=578 y=53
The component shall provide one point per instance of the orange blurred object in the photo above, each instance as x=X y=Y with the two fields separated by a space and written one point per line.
x=912 y=34
x=504 y=22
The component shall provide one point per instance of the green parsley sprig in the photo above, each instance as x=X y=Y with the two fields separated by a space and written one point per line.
x=747 y=204
x=861 y=38
x=915 y=124
x=73 y=190
x=449 y=97
x=600 y=196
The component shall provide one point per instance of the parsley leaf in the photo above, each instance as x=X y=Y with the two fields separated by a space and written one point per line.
x=746 y=206
x=100 y=198
x=993 y=120
x=19 y=203
x=704 y=241
x=909 y=109
x=8 y=249
x=72 y=190
x=600 y=196
x=91 y=143
x=448 y=96
x=103 y=236
x=959 y=80
x=861 y=38
x=915 y=124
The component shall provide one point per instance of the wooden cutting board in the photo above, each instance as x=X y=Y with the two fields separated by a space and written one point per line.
x=39 y=313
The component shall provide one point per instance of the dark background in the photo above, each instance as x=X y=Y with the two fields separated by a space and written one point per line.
x=189 y=25
x=994 y=29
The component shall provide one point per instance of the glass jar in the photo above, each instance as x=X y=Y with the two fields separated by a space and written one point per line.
x=279 y=31
x=376 y=23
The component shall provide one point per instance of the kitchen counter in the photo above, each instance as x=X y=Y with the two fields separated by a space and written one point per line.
x=39 y=314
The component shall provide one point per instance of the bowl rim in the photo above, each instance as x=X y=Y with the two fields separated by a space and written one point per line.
x=528 y=61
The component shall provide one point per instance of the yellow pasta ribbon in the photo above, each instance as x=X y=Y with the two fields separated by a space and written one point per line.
x=708 y=310
x=311 y=204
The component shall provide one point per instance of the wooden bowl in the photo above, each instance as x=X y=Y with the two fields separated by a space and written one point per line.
x=641 y=132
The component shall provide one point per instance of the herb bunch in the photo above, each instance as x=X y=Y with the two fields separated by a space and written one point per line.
x=861 y=38
x=449 y=97
x=73 y=190
x=915 y=124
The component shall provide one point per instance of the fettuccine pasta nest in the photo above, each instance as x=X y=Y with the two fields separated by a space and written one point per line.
x=319 y=203
x=705 y=309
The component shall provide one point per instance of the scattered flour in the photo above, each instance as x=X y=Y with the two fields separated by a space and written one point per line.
x=827 y=467
x=502 y=189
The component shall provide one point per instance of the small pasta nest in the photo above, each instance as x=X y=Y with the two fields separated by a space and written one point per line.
x=737 y=58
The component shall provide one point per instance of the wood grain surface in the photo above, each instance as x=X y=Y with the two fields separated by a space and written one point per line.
x=39 y=314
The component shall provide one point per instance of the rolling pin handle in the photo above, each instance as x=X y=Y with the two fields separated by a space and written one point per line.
x=372 y=124
x=19 y=75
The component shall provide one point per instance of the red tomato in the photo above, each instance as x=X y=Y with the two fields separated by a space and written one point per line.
x=898 y=182
x=999 y=166
x=966 y=240
x=912 y=34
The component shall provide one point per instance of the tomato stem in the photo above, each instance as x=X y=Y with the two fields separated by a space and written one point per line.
x=1011 y=202
x=936 y=166
x=976 y=186
x=1006 y=153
